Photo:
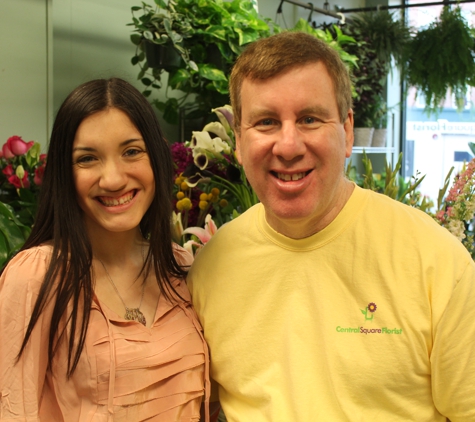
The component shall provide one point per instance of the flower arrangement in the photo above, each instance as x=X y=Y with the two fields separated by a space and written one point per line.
x=456 y=211
x=208 y=178
x=22 y=168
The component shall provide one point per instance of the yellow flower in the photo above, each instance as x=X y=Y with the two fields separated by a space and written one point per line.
x=184 y=204
x=180 y=195
x=223 y=203
x=204 y=197
x=184 y=187
x=203 y=205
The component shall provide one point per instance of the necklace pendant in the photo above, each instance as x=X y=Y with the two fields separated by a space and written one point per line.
x=134 y=314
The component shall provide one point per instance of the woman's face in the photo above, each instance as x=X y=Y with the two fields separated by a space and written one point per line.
x=112 y=173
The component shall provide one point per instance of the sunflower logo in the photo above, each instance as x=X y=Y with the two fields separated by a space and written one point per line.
x=369 y=311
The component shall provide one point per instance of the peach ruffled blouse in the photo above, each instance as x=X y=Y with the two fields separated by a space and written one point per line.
x=127 y=372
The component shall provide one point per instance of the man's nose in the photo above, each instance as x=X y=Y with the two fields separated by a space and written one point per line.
x=290 y=142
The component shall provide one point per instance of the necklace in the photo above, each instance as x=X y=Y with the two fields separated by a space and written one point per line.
x=131 y=314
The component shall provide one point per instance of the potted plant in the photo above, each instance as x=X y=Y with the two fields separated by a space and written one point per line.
x=441 y=58
x=208 y=35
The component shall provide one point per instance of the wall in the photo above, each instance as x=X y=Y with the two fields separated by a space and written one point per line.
x=25 y=70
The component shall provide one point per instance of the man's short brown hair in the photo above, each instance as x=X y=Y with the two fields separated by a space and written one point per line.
x=269 y=57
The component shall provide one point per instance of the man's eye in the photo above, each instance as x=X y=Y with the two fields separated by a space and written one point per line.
x=266 y=122
x=309 y=120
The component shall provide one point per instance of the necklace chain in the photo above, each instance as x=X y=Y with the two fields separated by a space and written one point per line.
x=131 y=314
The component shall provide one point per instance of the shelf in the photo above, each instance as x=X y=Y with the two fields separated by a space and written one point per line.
x=373 y=150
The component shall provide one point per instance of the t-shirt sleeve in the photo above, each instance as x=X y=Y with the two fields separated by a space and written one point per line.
x=453 y=354
x=21 y=382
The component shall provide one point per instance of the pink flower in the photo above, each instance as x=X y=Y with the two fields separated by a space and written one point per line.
x=17 y=146
x=39 y=172
x=8 y=170
x=204 y=235
x=19 y=183
x=6 y=152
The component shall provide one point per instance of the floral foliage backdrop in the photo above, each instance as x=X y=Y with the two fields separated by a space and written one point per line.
x=211 y=189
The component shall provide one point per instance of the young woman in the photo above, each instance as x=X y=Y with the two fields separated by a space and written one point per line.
x=95 y=319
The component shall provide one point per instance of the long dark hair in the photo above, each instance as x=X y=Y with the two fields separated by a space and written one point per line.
x=59 y=219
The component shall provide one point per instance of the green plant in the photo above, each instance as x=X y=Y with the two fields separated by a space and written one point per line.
x=391 y=183
x=209 y=35
x=387 y=36
x=441 y=58
x=13 y=233
x=368 y=77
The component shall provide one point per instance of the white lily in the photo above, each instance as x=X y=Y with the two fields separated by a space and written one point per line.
x=202 y=141
x=226 y=116
x=177 y=227
x=218 y=129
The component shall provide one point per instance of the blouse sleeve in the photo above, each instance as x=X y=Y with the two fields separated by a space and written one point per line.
x=21 y=382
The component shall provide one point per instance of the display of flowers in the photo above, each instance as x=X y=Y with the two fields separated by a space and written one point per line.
x=208 y=178
x=22 y=167
x=456 y=211
x=21 y=163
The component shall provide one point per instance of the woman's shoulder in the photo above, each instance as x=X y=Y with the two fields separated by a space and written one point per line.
x=28 y=267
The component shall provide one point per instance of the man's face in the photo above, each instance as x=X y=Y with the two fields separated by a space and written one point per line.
x=293 y=148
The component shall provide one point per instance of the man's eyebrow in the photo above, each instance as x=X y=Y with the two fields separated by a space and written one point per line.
x=319 y=110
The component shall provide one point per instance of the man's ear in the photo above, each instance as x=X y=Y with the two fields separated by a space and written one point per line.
x=237 y=137
x=349 y=133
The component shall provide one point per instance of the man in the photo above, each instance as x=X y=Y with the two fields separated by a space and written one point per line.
x=327 y=302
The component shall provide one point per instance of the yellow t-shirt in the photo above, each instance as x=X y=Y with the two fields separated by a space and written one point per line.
x=371 y=319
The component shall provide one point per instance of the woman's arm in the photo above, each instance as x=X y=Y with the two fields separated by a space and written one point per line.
x=22 y=380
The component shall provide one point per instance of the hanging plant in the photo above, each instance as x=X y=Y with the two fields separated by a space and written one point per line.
x=386 y=35
x=441 y=58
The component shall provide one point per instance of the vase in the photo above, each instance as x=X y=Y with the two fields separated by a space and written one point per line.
x=363 y=136
x=162 y=56
x=379 y=138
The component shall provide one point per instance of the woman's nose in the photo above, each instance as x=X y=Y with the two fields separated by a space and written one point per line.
x=113 y=176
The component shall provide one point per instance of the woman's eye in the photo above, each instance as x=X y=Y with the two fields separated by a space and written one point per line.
x=133 y=152
x=86 y=159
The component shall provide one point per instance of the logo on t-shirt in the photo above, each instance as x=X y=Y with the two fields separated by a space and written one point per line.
x=369 y=313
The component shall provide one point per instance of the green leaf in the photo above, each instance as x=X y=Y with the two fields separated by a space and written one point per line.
x=179 y=79
x=136 y=39
x=209 y=72
x=12 y=232
x=148 y=35
x=5 y=252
